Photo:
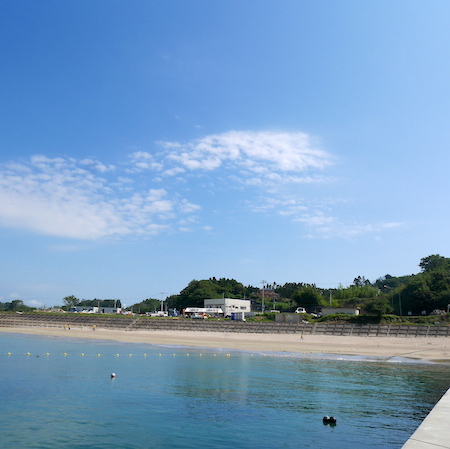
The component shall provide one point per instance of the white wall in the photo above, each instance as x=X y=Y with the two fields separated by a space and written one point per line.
x=229 y=305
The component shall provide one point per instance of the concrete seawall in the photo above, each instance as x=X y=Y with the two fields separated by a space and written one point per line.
x=434 y=432
x=182 y=324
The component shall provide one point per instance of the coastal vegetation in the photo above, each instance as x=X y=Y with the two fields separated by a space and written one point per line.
x=414 y=295
x=410 y=295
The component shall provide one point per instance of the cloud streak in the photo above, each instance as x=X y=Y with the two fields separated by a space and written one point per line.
x=67 y=198
x=254 y=156
x=88 y=199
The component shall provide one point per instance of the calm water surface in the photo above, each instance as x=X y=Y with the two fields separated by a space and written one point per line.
x=175 y=397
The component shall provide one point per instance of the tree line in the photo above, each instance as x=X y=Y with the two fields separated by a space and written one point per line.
x=414 y=294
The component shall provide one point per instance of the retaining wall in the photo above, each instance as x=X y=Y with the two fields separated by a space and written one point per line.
x=210 y=325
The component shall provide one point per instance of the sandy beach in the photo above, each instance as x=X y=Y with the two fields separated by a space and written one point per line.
x=413 y=348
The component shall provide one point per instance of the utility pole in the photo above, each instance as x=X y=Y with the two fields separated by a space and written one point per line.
x=162 y=301
x=262 y=305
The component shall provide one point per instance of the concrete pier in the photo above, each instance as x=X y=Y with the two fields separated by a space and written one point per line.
x=434 y=432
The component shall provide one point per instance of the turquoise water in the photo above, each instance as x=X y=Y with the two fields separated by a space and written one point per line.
x=175 y=397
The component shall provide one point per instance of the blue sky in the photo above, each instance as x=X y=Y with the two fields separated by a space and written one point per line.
x=144 y=144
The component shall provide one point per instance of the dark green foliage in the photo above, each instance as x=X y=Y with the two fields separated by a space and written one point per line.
x=70 y=301
x=338 y=317
x=197 y=291
x=307 y=297
x=149 y=305
x=15 y=306
x=289 y=289
x=404 y=295
x=99 y=303
x=434 y=262
x=361 y=281
x=378 y=306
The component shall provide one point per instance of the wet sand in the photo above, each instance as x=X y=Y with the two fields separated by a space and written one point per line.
x=413 y=348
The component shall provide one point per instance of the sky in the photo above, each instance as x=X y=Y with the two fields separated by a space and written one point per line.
x=145 y=144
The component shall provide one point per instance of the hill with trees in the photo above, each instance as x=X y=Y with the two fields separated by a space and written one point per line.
x=415 y=294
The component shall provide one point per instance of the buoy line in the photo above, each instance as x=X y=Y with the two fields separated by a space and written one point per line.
x=83 y=354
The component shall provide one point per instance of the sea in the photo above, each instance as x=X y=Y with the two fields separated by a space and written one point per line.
x=58 y=392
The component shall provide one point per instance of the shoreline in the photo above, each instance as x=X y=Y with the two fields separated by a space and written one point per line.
x=414 y=349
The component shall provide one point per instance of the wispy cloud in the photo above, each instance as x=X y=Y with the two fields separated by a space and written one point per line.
x=67 y=198
x=90 y=199
x=320 y=217
x=252 y=157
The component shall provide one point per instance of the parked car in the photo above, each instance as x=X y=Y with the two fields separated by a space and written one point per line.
x=198 y=316
x=300 y=310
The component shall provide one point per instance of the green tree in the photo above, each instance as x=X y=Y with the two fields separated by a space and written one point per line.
x=17 y=306
x=148 y=305
x=361 y=281
x=70 y=301
x=378 y=306
x=289 y=289
x=194 y=294
x=434 y=262
x=308 y=297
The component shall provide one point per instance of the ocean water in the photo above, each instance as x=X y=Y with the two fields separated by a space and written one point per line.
x=58 y=393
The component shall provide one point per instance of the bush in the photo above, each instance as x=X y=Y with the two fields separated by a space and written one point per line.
x=335 y=317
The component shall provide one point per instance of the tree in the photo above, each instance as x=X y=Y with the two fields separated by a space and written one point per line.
x=307 y=297
x=434 y=262
x=70 y=301
x=289 y=289
x=17 y=306
x=378 y=306
x=361 y=281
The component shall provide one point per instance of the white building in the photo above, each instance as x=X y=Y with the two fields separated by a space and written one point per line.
x=229 y=305
x=95 y=309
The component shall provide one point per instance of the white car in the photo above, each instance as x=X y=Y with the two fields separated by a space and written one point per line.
x=198 y=316
x=300 y=310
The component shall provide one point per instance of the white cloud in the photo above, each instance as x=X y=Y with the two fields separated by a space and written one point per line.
x=89 y=199
x=317 y=216
x=143 y=161
x=66 y=198
x=258 y=156
x=102 y=168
